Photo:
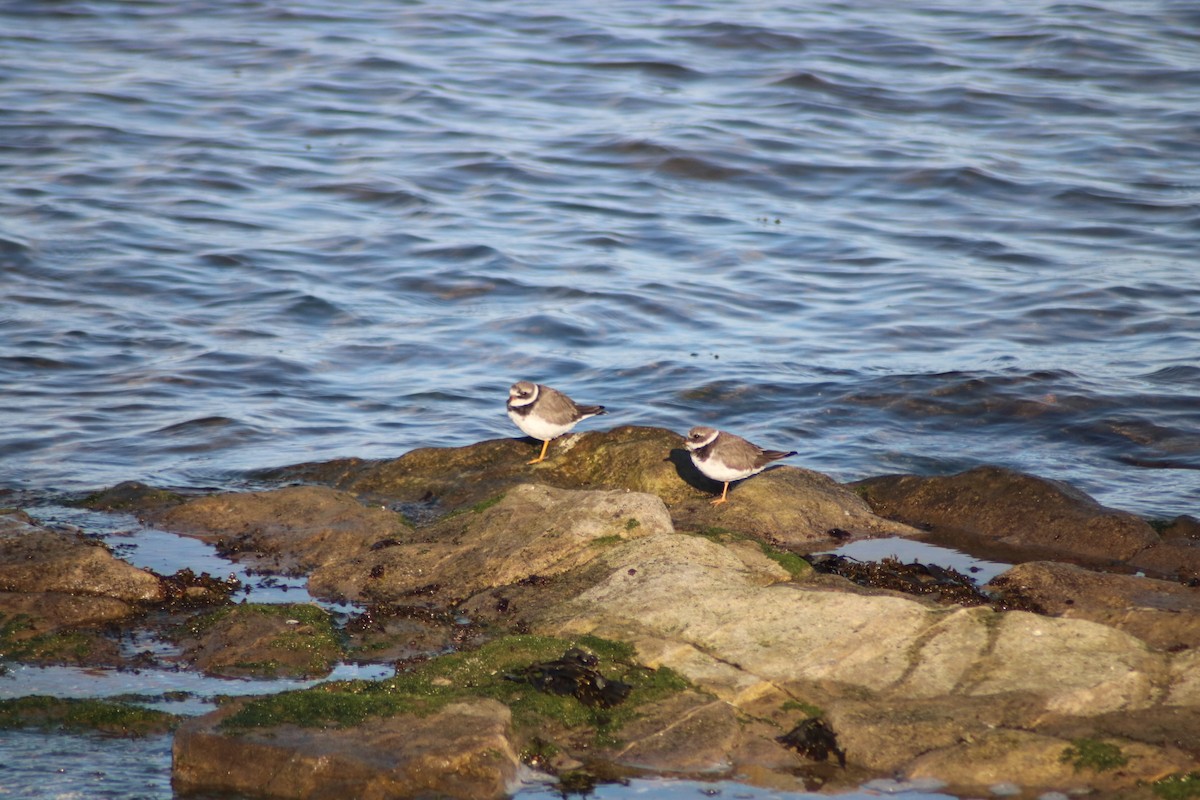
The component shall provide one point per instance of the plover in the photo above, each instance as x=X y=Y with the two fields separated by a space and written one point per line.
x=545 y=413
x=726 y=458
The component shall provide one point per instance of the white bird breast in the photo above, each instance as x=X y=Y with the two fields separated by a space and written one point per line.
x=719 y=472
x=538 y=428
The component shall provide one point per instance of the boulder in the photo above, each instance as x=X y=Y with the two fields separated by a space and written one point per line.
x=132 y=496
x=1163 y=614
x=785 y=505
x=532 y=531
x=1178 y=559
x=264 y=641
x=290 y=529
x=689 y=604
x=47 y=612
x=463 y=751
x=1023 y=513
x=1029 y=759
x=1183 y=529
x=34 y=559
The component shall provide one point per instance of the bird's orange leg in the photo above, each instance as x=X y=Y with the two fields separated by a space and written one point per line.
x=722 y=498
x=542 y=457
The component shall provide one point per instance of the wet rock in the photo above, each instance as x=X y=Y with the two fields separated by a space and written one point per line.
x=462 y=751
x=1036 y=760
x=1163 y=614
x=888 y=736
x=689 y=733
x=46 y=612
x=58 y=628
x=391 y=632
x=1013 y=509
x=542 y=724
x=35 y=559
x=295 y=528
x=264 y=641
x=575 y=674
x=785 y=505
x=132 y=496
x=814 y=739
x=83 y=715
x=1177 y=560
x=1181 y=530
x=533 y=530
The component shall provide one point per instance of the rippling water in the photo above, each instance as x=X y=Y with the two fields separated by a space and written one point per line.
x=896 y=237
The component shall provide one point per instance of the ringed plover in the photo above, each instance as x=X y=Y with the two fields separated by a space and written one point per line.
x=545 y=413
x=726 y=458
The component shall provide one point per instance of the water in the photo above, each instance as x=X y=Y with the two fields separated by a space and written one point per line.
x=907 y=551
x=896 y=237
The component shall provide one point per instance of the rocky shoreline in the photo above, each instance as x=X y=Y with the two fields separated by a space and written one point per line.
x=517 y=601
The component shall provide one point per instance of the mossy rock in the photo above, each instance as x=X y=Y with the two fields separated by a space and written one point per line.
x=131 y=496
x=24 y=640
x=485 y=673
x=76 y=715
x=262 y=640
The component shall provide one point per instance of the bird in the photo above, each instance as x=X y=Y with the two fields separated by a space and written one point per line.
x=726 y=458
x=545 y=413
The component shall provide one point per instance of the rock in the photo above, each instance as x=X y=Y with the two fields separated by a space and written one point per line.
x=688 y=733
x=785 y=505
x=264 y=641
x=1185 y=686
x=47 y=612
x=887 y=736
x=1163 y=614
x=295 y=528
x=462 y=751
x=390 y=633
x=533 y=530
x=1036 y=760
x=1182 y=530
x=131 y=496
x=1079 y=667
x=1024 y=512
x=37 y=560
x=688 y=604
x=1178 y=560
x=58 y=628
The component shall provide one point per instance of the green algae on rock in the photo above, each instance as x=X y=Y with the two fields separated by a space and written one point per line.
x=262 y=640
x=486 y=672
x=452 y=726
x=80 y=715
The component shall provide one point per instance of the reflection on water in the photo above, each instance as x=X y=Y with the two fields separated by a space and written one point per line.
x=906 y=551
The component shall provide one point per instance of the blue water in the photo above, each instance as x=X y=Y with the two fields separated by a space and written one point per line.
x=895 y=237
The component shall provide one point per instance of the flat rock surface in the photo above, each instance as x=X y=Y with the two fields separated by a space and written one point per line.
x=294 y=528
x=532 y=530
x=264 y=641
x=1163 y=614
x=690 y=604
